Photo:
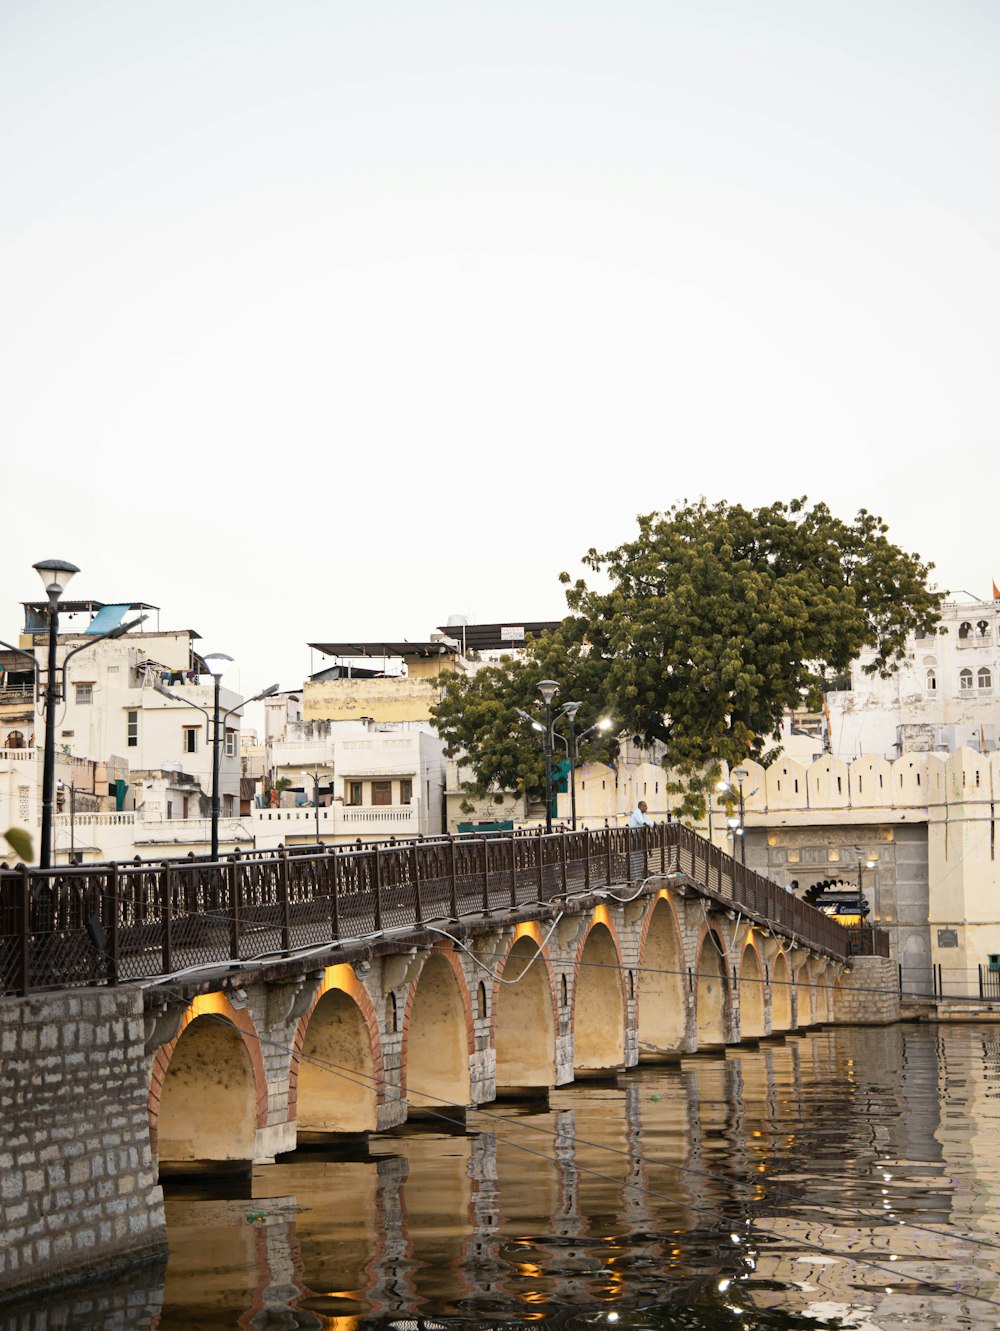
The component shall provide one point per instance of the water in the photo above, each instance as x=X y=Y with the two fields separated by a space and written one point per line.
x=759 y=1189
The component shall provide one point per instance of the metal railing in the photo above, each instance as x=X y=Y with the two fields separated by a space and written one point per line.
x=122 y=923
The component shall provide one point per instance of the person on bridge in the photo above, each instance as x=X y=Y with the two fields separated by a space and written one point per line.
x=639 y=819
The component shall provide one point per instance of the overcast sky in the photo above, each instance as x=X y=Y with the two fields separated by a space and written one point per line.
x=328 y=320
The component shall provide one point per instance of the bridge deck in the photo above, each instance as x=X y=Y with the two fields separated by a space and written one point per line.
x=123 y=923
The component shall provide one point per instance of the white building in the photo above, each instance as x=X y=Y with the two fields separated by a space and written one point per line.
x=157 y=749
x=944 y=695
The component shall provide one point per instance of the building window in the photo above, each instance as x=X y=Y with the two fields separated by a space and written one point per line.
x=190 y=744
x=982 y=629
x=132 y=729
x=965 y=630
x=406 y=791
x=230 y=743
x=984 y=678
x=965 y=680
x=931 y=681
x=84 y=694
x=170 y=809
x=227 y=806
x=355 y=790
x=381 y=792
x=14 y=740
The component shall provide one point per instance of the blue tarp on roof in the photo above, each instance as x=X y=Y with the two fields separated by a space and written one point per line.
x=107 y=618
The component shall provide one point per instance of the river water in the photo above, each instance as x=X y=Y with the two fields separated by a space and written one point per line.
x=845 y=1178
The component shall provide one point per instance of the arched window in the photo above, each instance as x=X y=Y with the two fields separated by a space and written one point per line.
x=14 y=740
x=982 y=629
x=931 y=681
x=482 y=999
x=965 y=630
x=564 y=991
x=391 y=1014
x=984 y=678
x=965 y=680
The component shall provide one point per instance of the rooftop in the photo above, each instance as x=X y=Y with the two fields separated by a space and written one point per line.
x=376 y=647
x=498 y=637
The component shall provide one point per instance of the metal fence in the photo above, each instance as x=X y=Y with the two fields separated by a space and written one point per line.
x=121 y=923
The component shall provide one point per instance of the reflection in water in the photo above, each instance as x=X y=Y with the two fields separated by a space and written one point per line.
x=756 y=1188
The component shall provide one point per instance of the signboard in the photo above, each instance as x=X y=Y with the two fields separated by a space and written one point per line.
x=512 y=634
x=947 y=938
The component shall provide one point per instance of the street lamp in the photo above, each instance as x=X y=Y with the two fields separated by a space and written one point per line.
x=573 y=742
x=548 y=688
x=863 y=863
x=215 y=661
x=740 y=774
x=55 y=575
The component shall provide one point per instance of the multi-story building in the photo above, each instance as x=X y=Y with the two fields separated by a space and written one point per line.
x=130 y=759
x=944 y=694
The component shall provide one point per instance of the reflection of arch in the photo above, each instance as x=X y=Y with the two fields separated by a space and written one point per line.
x=751 y=995
x=713 y=990
x=781 y=995
x=598 y=1000
x=208 y=1090
x=341 y=1030
x=437 y=1036
x=662 y=1013
x=524 y=1018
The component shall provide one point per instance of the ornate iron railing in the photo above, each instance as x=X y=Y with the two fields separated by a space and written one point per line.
x=123 y=923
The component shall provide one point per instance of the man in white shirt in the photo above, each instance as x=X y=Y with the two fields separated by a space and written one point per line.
x=639 y=818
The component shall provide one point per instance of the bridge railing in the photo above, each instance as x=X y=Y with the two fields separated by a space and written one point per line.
x=123 y=923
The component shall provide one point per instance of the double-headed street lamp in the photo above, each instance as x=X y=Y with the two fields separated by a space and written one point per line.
x=216 y=663
x=548 y=688
x=737 y=824
x=56 y=575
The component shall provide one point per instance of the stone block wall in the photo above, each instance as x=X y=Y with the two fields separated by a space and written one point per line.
x=78 y=1188
x=867 y=994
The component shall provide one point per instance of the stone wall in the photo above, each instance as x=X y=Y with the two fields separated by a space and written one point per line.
x=78 y=1188
x=867 y=994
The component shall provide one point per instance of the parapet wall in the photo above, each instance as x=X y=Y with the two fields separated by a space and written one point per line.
x=78 y=1188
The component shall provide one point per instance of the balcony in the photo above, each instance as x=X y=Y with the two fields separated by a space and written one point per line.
x=336 y=821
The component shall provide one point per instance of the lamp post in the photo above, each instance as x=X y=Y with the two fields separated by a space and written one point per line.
x=315 y=777
x=217 y=722
x=740 y=774
x=548 y=688
x=216 y=662
x=863 y=863
x=572 y=742
x=55 y=575
x=61 y=785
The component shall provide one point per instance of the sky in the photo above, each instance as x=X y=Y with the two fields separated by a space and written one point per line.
x=331 y=320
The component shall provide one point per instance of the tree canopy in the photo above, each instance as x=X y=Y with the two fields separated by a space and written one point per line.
x=711 y=623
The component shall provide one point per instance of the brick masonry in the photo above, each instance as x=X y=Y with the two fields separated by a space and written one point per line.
x=78 y=1189
x=867 y=993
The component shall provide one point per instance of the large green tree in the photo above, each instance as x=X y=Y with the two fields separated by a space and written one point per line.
x=709 y=624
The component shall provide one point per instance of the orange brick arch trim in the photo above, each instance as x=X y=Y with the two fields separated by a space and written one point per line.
x=533 y=930
x=601 y=916
x=719 y=946
x=342 y=978
x=447 y=951
x=664 y=896
x=218 y=1007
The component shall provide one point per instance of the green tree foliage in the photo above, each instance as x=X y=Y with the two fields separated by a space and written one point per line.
x=478 y=715
x=20 y=842
x=711 y=623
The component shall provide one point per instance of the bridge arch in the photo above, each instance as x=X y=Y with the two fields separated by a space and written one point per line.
x=599 y=999
x=662 y=1010
x=751 y=995
x=781 y=994
x=208 y=1089
x=712 y=990
x=437 y=1036
x=524 y=1016
x=341 y=1030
